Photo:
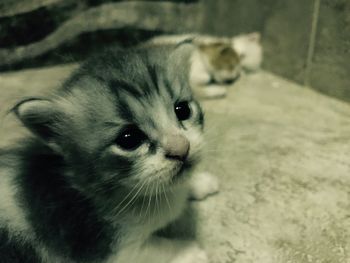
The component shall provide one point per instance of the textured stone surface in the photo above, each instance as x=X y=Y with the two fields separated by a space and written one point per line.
x=282 y=155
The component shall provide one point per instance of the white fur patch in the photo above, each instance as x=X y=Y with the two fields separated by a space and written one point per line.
x=191 y=254
x=203 y=185
x=250 y=50
x=161 y=250
x=199 y=74
x=214 y=91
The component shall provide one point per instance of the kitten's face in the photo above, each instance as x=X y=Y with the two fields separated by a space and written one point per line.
x=222 y=61
x=135 y=126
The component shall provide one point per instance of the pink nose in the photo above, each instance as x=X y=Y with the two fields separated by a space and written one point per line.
x=176 y=147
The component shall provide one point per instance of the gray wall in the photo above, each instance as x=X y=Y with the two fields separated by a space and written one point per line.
x=287 y=37
x=286 y=29
x=330 y=72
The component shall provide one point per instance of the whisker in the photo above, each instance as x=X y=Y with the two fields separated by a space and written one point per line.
x=132 y=199
x=140 y=191
x=125 y=198
x=143 y=199
x=149 y=204
x=135 y=186
x=156 y=199
x=216 y=150
x=166 y=198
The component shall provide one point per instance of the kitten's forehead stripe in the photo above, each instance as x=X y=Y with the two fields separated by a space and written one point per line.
x=124 y=110
x=169 y=88
x=154 y=78
x=139 y=110
x=117 y=84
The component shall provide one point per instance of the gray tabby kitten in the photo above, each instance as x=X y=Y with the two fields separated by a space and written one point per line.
x=108 y=165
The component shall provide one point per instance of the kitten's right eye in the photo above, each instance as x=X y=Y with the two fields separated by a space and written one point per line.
x=130 y=138
x=182 y=110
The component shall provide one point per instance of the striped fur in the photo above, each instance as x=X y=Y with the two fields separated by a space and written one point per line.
x=71 y=194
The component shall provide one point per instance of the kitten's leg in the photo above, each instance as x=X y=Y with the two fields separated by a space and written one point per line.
x=210 y=91
x=203 y=184
x=215 y=91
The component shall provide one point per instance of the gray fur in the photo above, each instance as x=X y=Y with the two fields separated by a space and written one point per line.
x=86 y=199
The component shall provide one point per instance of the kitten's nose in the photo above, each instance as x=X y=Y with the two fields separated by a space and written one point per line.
x=176 y=147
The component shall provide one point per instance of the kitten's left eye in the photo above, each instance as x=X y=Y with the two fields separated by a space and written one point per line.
x=130 y=138
x=182 y=110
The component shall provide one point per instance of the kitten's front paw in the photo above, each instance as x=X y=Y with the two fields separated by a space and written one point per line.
x=203 y=185
x=192 y=254
x=215 y=91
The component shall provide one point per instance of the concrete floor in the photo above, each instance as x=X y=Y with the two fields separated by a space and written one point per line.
x=281 y=152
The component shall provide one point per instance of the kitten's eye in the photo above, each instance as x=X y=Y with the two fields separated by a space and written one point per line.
x=182 y=110
x=130 y=138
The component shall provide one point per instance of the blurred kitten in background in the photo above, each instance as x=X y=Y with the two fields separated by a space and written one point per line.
x=217 y=62
x=249 y=49
x=214 y=66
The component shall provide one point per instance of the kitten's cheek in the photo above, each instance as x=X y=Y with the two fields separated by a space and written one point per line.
x=142 y=150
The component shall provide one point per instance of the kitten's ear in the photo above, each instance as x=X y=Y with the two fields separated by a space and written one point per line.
x=39 y=116
x=254 y=37
x=179 y=62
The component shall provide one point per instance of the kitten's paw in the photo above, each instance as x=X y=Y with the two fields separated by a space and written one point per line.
x=203 y=185
x=192 y=254
x=214 y=91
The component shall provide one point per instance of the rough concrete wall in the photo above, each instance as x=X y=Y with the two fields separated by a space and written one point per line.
x=286 y=29
x=232 y=17
x=330 y=69
x=285 y=26
x=286 y=36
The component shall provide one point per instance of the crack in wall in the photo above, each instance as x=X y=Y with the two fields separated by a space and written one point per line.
x=312 y=41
